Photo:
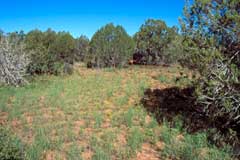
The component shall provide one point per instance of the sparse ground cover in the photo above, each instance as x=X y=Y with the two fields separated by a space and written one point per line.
x=96 y=114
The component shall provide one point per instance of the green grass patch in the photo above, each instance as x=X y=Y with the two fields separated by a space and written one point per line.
x=181 y=145
x=94 y=107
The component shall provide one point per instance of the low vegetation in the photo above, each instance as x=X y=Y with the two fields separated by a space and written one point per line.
x=59 y=109
x=96 y=114
x=11 y=147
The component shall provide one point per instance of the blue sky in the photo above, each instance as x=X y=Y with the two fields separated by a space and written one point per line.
x=85 y=16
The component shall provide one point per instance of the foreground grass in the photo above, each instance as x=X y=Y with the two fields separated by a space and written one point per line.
x=95 y=114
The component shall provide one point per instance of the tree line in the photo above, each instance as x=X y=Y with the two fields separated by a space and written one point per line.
x=51 y=52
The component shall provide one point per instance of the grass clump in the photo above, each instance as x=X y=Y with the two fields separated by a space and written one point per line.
x=74 y=152
x=163 y=79
x=103 y=146
x=42 y=143
x=100 y=155
x=128 y=117
x=98 y=120
x=135 y=139
x=181 y=145
x=11 y=148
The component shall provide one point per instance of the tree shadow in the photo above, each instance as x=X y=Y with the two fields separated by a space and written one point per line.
x=169 y=103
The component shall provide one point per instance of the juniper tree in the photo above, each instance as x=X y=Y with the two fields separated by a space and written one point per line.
x=50 y=51
x=211 y=44
x=82 y=48
x=110 y=46
x=152 y=40
x=213 y=24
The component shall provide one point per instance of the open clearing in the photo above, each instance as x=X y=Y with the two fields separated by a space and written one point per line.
x=92 y=114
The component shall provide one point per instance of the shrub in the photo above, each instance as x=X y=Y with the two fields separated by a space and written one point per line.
x=13 y=62
x=82 y=48
x=111 y=46
x=211 y=44
x=11 y=147
x=63 y=47
x=219 y=91
x=37 y=46
x=174 y=50
x=212 y=24
x=196 y=57
x=152 y=40
x=49 y=51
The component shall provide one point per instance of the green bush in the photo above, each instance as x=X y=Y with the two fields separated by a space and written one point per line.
x=11 y=147
x=211 y=45
x=62 y=48
x=152 y=41
x=110 y=46
x=82 y=48
x=210 y=24
x=49 y=51
x=219 y=92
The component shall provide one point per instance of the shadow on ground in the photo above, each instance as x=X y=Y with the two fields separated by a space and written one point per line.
x=171 y=103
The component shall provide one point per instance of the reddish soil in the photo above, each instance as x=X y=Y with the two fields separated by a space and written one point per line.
x=147 y=153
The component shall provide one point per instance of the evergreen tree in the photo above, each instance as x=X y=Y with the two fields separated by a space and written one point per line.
x=110 y=46
x=152 y=40
x=211 y=44
x=82 y=48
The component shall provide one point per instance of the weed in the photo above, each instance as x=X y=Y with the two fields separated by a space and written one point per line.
x=122 y=100
x=98 y=120
x=11 y=148
x=128 y=117
x=180 y=145
x=100 y=155
x=135 y=139
x=73 y=152
x=163 y=79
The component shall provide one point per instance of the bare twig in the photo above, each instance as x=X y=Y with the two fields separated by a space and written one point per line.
x=13 y=63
